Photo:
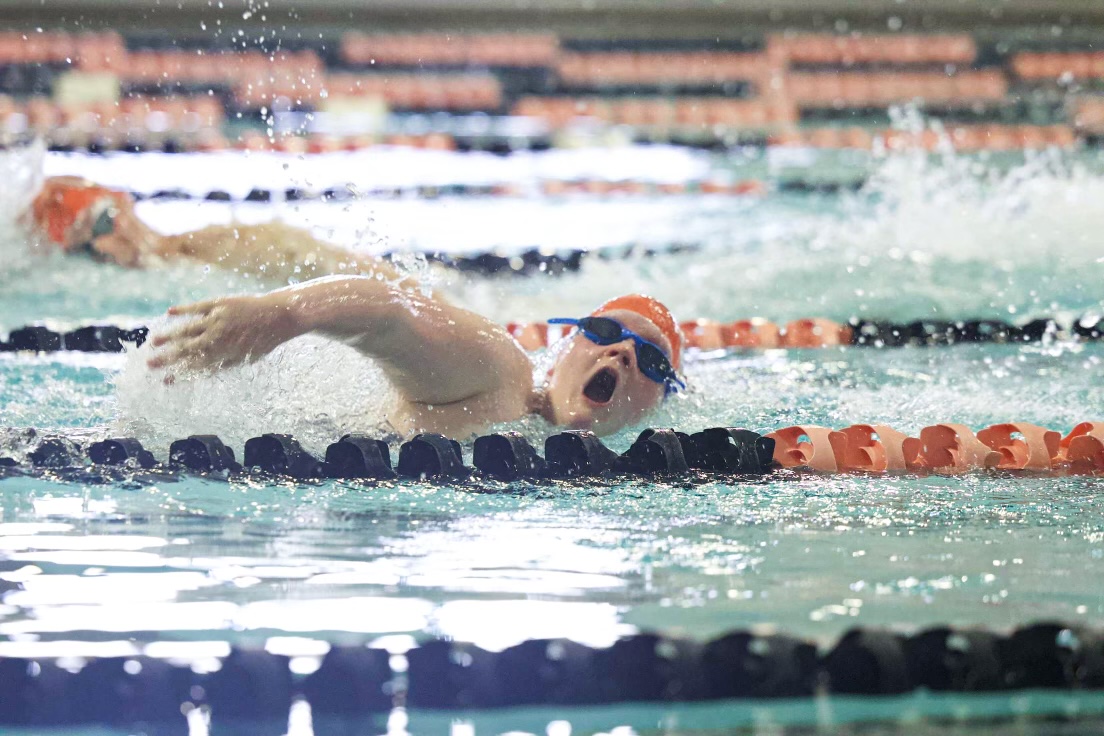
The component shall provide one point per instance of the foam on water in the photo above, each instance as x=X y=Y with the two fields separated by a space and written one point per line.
x=930 y=235
x=314 y=388
x=21 y=165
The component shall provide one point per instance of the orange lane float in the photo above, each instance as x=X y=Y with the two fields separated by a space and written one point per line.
x=953 y=448
x=946 y=448
x=1036 y=448
x=751 y=333
x=815 y=332
x=809 y=446
x=877 y=448
x=704 y=334
x=708 y=334
x=1083 y=448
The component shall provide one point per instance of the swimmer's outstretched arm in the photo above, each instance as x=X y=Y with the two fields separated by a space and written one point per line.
x=433 y=352
x=66 y=212
x=275 y=250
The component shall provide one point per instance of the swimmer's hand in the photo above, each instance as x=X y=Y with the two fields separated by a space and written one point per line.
x=222 y=333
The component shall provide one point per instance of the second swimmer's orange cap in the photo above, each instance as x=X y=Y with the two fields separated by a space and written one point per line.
x=58 y=206
x=654 y=311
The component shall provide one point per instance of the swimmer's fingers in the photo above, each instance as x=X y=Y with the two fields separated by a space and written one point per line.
x=200 y=353
x=195 y=328
x=201 y=308
x=180 y=356
x=185 y=354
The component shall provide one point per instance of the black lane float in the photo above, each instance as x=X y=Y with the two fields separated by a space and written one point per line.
x=506 y=456
x=355 y=681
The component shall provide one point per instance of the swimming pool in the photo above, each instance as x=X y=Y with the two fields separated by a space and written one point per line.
x=181 y=568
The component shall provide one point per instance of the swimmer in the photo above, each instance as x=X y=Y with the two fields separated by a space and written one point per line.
x=79 y=216
x=454 y=372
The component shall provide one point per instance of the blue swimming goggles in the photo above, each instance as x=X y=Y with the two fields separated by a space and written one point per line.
x=650 y=358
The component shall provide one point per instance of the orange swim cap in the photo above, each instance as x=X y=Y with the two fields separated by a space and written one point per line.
x=57 y=208
x=655 y=312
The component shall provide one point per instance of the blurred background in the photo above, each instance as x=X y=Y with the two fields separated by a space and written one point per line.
x=324 y=75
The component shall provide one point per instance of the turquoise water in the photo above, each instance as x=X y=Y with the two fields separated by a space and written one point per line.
x=117 y=568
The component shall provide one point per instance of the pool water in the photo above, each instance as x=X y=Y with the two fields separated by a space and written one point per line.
x=88 y=569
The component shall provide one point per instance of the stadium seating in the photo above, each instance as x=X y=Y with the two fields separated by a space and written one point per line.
x=811 y=89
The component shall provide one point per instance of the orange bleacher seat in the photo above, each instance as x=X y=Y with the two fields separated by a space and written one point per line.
x=475 y=92
x=965 y=137
x=559 y=112
x=956 y=50
x=1028 y=66
x=908 y=49
x=210 y=139
x=813 y=49
x=990 y=85
x=142 y=66
x=660 y=68
x=630 y=111
x=999 y=138
x=1087 y=114
x=513 y=49
x=825 y=138
x=573 y=69
x=100 y=52
x=858 y=89
x=828 y=49
x=450 y=49
x=32 y=49
x=1030 y=136
x=786 y=138
x=691 y=112
x=614 y=69
x=855 y=90
x=858 y=138
x=1056 y=65
x=354 y=48
x=659 y=112
x=883 y=88
x=252 y=140
x=782 y=112
x=59 y=48
x=42 y=114
x=418 y=91
x=1059 y=135
x=11 y=45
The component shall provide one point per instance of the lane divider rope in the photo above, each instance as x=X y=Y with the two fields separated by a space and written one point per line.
x=716 y=453
x=701 y=334
x=357 y=681
x=546 y=187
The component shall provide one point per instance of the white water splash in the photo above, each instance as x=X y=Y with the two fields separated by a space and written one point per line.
x=21 y=165
x=948 y=235
x=314 y=388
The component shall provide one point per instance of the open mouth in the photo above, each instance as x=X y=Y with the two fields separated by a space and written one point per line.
x=600 y=388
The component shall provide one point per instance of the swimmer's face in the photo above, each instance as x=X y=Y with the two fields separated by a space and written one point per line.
x=600 y=387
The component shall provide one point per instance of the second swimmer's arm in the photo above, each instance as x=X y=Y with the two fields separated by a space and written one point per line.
x=433 y=352
x=274 y=250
